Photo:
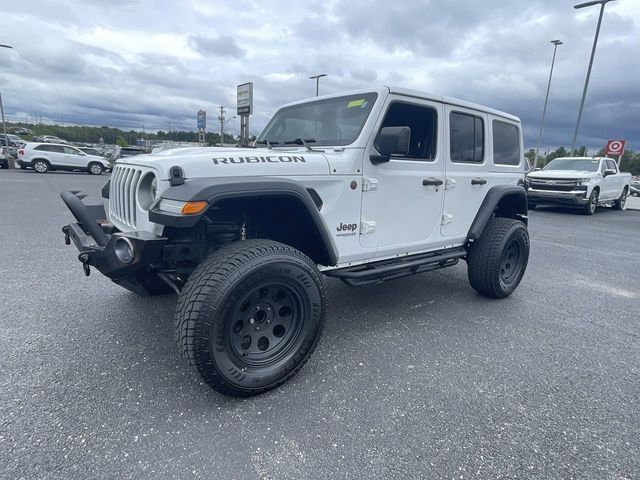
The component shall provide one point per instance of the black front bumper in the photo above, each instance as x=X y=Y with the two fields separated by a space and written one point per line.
x=94 y=237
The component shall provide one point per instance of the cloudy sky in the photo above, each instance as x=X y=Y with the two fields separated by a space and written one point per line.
x=130 y=63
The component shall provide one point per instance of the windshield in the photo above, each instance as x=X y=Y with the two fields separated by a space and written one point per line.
x=334 y=121
x=580 y=164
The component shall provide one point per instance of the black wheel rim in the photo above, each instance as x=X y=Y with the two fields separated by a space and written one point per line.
x=265 y=324
x=512 y=261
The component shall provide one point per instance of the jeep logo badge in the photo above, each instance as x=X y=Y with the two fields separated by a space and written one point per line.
x=346 y=229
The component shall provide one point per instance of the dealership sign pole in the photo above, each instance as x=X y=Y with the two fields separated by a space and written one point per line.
x=202 y=126
x=615 y=148
x=244 y=109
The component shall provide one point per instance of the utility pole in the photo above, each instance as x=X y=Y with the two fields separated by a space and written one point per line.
x=4 y=125
x=593 y=53
x=221 y=118
x=546 y=98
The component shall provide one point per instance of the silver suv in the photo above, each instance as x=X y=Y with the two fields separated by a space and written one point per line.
x=43 y=157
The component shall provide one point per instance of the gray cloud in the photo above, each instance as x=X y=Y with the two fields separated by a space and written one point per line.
x=152 y=62
x=221 y=46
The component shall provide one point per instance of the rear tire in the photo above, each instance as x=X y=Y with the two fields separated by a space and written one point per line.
x=498 y=259
x=621 y=203
x=250 y=316
x=41 y=166
x=94 y=168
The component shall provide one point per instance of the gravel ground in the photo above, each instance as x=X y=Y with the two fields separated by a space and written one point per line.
x=417 y=378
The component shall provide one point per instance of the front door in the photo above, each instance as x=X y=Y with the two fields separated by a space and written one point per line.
x=402 y=198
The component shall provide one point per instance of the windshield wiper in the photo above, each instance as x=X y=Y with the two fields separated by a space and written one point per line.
x=304 y=143
x=268 y=143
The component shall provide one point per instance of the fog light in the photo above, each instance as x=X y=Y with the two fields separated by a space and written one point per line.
x=123 y=248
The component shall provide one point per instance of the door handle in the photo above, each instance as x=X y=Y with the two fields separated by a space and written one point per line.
x=478 y=181
x=434 y=182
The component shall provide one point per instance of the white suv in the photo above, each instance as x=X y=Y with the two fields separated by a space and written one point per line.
x=367 y=186
x=43 y=157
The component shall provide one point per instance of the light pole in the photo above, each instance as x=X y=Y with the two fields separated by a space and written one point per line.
x=546 y=98
x=4 y=125
x=593 y=52
x=317 y=78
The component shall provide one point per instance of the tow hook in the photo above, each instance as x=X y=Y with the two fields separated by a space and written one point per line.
x=84 y=258
x=67 y=239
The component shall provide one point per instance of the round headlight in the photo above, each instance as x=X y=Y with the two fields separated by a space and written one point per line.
x=124 y=250
x=147 y=191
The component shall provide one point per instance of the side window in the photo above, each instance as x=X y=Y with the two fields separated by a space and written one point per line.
x=612 y=165
x=43 y=148
x=466 y=138
x=506 y=143
x=56 y=148
x=423 y=124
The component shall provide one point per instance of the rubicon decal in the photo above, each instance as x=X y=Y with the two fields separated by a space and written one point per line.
x=346 y=229
x=268 y=159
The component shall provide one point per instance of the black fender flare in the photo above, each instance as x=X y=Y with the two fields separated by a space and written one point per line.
x=215 y=189
x=517 y=198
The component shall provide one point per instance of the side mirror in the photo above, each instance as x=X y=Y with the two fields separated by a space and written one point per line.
x=392 y=141
x=609 y=171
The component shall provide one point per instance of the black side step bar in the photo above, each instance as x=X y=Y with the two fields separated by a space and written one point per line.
x=384 y=270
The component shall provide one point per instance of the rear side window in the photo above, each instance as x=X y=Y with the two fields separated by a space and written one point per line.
x=506 y=143
x=466 y=138
x=423 y=124
x=43 y=148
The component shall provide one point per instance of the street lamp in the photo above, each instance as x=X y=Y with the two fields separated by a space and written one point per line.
x=317 y=78
x=4 y=125
x=593 y=52
x=546 y=98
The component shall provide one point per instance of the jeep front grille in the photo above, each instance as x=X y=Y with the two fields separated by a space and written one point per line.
x=122 y=195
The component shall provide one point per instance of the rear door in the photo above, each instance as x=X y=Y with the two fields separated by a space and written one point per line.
x=402 y=198
x=57 y=155
x=483 y=150
x=467 y=182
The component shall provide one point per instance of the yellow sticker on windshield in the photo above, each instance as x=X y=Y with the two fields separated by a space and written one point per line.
x=355 y=103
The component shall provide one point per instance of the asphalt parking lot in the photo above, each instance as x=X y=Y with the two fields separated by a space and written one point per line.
x=417 y=378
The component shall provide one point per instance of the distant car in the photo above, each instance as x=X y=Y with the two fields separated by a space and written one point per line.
x=24 y=131
x=43 y=157
x=51 y=139
x=634 y=189
x=130 y=151
x=4 y=161
x=12 y=140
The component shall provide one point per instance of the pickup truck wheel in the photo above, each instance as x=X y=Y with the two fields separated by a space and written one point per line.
x=498 y=259
x=592 y=204
x=40 y=166
x=95 y=168
x=250 y=316
x=621 y=203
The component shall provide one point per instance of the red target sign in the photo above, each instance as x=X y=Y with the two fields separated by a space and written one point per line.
x=614 y=147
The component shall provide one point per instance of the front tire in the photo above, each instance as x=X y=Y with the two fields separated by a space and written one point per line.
x=40 y=166
x=621 y=203
x=592 y=204
x=250 y=316
x=95 y=168
x=498 y=259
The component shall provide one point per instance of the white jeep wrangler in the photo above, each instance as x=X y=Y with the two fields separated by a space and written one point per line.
x=365 y=186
